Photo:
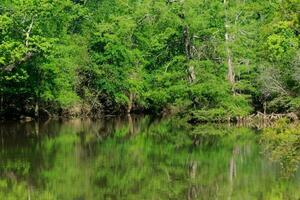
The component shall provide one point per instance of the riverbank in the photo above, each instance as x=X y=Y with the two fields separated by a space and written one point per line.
x=189 y=117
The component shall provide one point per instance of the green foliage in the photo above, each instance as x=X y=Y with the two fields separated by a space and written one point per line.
x=117 y=56
x=38 y=56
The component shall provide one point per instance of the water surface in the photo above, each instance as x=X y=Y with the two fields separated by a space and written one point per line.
x=137 y=158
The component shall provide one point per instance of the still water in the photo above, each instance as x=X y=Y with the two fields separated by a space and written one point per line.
x=137 y=158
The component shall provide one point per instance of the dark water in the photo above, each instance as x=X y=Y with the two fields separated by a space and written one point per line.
x=137 y=158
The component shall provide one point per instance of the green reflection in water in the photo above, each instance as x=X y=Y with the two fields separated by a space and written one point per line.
x=138 y=158
x=282 y=143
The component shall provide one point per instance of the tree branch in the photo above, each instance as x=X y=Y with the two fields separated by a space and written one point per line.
x=11 y=66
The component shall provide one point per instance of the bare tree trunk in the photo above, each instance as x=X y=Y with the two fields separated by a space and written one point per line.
x=188 y=53
x=265 y=107
x=192 y=75
x=28 y=33
x=187 y=42
x=230 y=72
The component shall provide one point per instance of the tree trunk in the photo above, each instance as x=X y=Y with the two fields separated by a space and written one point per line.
x=230 y=71
x=265 y=107
x=192 y=75
x=28 y=33
x=188 y=53
x=187 y=42
x=230 y=74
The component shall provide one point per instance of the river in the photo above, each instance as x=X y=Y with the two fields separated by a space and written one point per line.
x=137 y=157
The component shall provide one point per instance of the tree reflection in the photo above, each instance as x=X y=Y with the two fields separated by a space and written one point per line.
x=282 y=142
x=141 y=158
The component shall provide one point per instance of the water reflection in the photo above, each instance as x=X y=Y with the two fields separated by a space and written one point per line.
x=282 y=144
x=135 y=157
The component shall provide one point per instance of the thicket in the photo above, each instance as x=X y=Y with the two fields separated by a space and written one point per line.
x=209 y=59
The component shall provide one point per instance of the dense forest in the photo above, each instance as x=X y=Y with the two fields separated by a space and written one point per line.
x=210 y=60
